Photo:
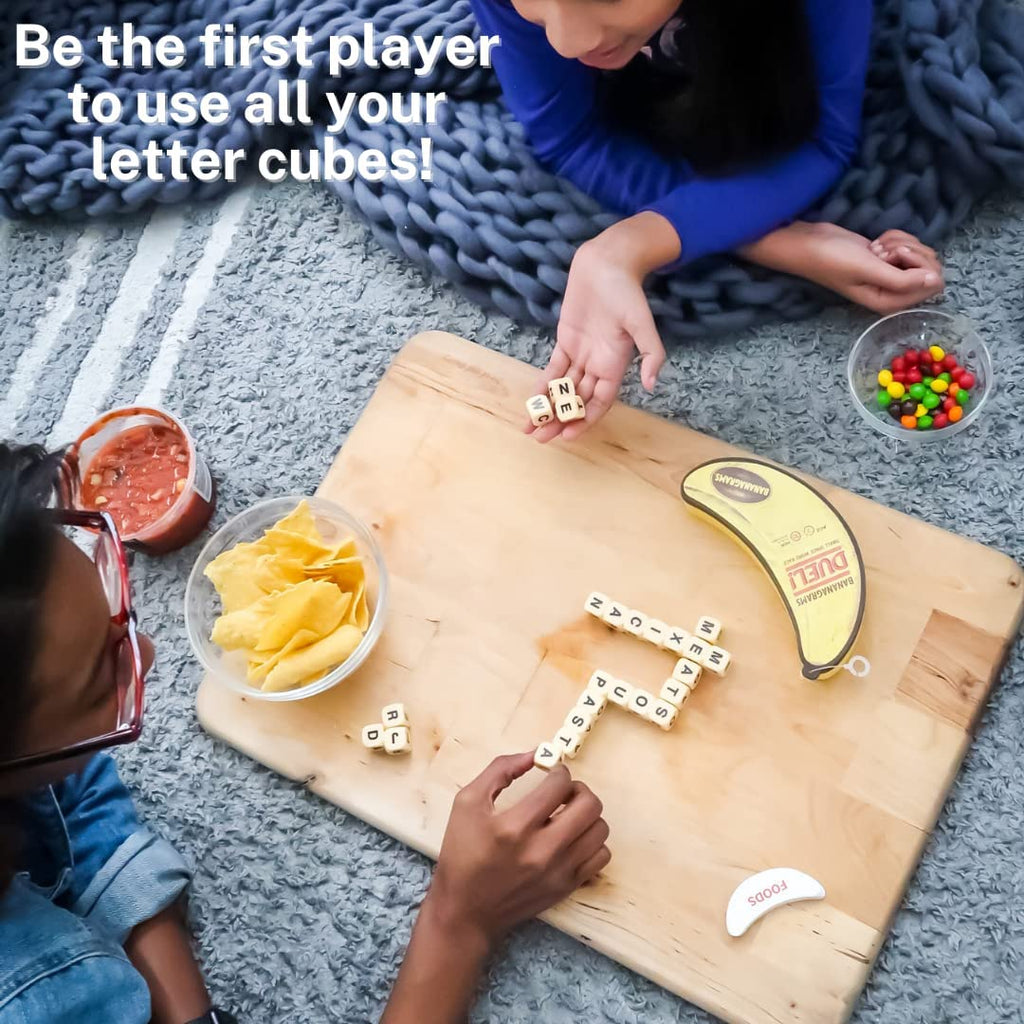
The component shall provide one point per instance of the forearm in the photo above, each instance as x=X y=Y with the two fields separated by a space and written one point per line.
x=785 y=249
x=644 y=242
x=160 y=949
x=441 y=971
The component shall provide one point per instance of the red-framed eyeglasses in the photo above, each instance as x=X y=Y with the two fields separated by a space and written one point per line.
x=96 y=530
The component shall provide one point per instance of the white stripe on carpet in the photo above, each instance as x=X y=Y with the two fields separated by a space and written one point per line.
x=48 y=329
x=99 y=368
x=196 y=292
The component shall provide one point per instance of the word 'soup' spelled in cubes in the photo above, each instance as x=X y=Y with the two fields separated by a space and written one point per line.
x=393 y=734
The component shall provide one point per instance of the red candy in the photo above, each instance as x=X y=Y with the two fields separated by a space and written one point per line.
x=936 y=369
x=899 y=376
x=926 y=358
x=949 y=363
x=957 y=373
x=948 y=404
x=914 y=376
x=967 y=381
x=940 y=421
x=899 y=365
x=912 y=357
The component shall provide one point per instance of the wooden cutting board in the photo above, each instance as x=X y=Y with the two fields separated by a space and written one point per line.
x=493 y=542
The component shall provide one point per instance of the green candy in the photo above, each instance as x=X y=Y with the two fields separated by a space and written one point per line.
x=884 y=399
x=947 y=377
x=918 y=391
x=962 y=397
x=928 y=381
x=925 y=423
x=930 y=400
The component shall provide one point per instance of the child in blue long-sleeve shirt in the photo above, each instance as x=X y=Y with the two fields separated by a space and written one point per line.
x=711 y=126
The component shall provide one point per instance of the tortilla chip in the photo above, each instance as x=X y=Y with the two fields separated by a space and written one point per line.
x=313 y=660
x=233 y=574
x=261 y=664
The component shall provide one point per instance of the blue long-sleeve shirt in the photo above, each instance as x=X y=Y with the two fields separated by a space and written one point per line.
x=555 y=99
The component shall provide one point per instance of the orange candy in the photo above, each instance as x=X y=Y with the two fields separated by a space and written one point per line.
x=910 y=422
x=956 y=413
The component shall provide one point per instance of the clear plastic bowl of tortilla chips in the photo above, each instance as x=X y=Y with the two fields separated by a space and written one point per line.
x=287 y=599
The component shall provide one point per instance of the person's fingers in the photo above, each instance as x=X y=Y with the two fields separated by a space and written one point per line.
x=586 y=388
x=593 y=867
x=498 y=776
x=548 y=432
x=910 y=257
x=557 y=365
x=894 y=279
x=588 y=844
x=535 y=808
x=648 y=342
x=893 y=239
x=582 y=809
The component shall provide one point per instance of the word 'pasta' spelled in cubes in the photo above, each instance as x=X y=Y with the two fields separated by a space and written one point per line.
x=580 y=720
x=697 y=650
x=396 y=741
x=601 y=683
x=664 y=714
x=569 y=409
x=717 y=661
x=568 y=741
x=596 y=604
x=620 y=693
x=708 y=628
x=539 y=408
x=373 y=736
x=615 y=615
x=676 y=640
x=593 y=701
x=561 y=387
x=675 y=692
x=547 y=756
x=687 y=672
x=655 y=632
x=394 y=715
x=640 y=703
x=635 y=623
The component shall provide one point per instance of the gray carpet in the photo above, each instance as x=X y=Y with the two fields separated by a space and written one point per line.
x=301 y=911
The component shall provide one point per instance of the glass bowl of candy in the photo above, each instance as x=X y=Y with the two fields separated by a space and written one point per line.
x=920 y=375
x=287 y=599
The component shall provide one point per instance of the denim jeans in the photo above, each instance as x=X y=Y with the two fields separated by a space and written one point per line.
x=89 y=873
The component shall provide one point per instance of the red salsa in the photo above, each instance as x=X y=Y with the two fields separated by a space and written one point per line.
x=137 y=476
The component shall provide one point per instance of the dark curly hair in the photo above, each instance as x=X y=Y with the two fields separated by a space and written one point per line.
x=28 y=479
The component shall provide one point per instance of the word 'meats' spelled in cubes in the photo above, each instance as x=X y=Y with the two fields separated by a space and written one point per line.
x=580 y=720
x=687 y=672
x=635 y=623
x=394 y=715
x=596 y=604
x=561 y=388
x=640 y=703
x=717 y=661
x=620 y=693
x=568 y=742
x=675 y=692
x=396 y=741
x=663 y=713
x=655 y=632
x=601 y=682
x=615 y=615
x=569 y=409
x=547 y=756
x=373 y=736
x=708 y=628
x=676 y=640
x=593 y=701
x=539 y=408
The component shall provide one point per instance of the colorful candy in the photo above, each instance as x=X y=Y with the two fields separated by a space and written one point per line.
x=925 y=389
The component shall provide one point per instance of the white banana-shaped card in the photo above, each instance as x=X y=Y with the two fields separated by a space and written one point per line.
x=765 y=891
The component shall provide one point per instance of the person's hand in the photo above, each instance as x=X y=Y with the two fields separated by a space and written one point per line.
x=894 y=272
x=498 y=869
x=606 y=318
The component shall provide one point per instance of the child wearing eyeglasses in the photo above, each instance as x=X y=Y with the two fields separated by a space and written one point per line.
x=91 y=919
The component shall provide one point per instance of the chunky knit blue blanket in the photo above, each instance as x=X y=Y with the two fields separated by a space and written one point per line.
x=943 y=125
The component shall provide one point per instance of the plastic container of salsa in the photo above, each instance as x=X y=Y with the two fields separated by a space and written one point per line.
x=141 y=466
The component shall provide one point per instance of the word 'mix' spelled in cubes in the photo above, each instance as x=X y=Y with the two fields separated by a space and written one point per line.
x=569 y=409
x=539 y=408
x=676 y=640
